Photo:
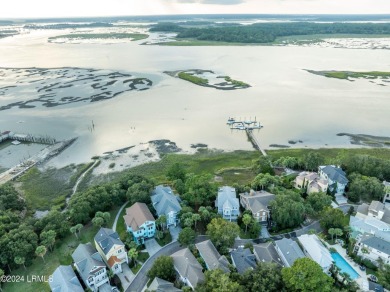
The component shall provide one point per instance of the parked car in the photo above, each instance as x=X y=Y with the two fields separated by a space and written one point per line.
x=361 y=267
x=372 y=278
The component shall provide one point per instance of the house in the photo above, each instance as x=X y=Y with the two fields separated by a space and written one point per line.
x=336 y=177
x=90 y=266
x=311 y=182
x=386 y=197
x=160 y=285
x=372 y=248
x=369 y=225
x=165 y=202
x=257 y=203
x=65 y=280
x=112 y=249
x=289 y=251
x=266 y=253
x=188 y=268
x=375 y=210
x=375 y=287
x=243 y=259
x=211 y=256
x=227 y=203
x=140 y=222
x=313 y=248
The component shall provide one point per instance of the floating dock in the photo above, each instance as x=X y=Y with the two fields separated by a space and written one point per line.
x=248 y=126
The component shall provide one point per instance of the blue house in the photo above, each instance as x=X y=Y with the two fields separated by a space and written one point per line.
x=165 y=202
x=227 y=203
x=140 y=222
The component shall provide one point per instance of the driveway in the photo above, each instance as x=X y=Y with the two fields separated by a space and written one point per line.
x=105 y=288
x=152 y=246
x=174 y=232
x=126 y=276
x=264 y=231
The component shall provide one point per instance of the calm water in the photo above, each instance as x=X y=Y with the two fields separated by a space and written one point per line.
x=289 y=102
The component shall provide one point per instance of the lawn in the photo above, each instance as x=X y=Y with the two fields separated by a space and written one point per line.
x=143 y=256
x=165 y=240
x=136 y=268
x=247 y=235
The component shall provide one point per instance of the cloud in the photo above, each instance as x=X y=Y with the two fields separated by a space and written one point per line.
x=215 y=2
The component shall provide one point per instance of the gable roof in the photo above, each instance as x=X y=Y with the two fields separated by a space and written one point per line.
x=160 y=285
x=289 y=250
x=376 y=207
x=316 y=250
x=227 y=198
x=335 y=174
x=377 y=243
x=386 y=216
x=243 y=259
x=164 y=201
x=136 y=215
x=65 y=280
x=106 y=238
x=212 y=257
x=266 y=252
x=187 y=266
x=363 y=209
x=258 y=201
x=87 y=258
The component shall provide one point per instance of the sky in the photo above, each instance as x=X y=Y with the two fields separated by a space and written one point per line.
x=69 y=8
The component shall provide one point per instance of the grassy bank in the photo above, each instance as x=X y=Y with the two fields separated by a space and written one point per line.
x=91 y=36
x=348 y=75
x=192 y=78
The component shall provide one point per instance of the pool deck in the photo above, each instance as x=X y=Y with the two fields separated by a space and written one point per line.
x=355 y=266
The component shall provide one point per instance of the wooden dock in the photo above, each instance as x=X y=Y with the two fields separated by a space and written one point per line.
x=255 y=142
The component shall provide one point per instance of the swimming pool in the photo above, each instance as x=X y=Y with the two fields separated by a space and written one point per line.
x=344 y=266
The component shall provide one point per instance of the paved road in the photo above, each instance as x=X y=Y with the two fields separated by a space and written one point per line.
x=141 y=278
x=117 y=216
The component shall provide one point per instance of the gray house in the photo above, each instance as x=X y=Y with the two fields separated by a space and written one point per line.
x=243 y=259
x=211 y=256
x=266 y=253
x=289 y=251
x=160 y=285
x=188 y=268
x=90 y=266
x=65 y=280
x=257 y=203
x=165 y=202
x=227 y=203
x=336 y=177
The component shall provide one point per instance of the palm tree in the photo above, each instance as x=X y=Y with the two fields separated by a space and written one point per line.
x=20 y=261
x=246 y=219
x=41 y=251
x=347 y=230
x=133 y=254
x=331 y=231
x=338 y=231
x=163 y=219
x=195 y=218
x=73 y=230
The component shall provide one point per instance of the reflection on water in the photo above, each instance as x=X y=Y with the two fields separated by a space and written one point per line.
x=291 y=103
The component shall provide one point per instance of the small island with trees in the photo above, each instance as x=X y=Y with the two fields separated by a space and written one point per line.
x=208 y=78
x=352 y=76
x=97 y=36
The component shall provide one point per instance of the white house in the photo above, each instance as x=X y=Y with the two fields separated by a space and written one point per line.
x=112 y=249
x=372 y=248
x=369 y=225
x=227 y=203
x=90 y=266
x=313 y=248
x=386 y=197
x=257 y=203
x=165 y=202
x=289 y=251
x=336 y=177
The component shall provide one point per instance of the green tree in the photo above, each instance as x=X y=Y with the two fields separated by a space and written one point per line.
x=365 y=188
x=331 y=232
x=218 y=281
x=246 y=219
x=41 y=251
x=1 y=276
x=20 y=261
x=264 y=181
x=186 y=236
x=204 y=214
x=161 y=221
x=48 y=238
x=312 y=161
x=338 y=232
x=200 y=190
x=73 y=230
x=263 y=165
x=176 y=171
x=140 y=192
x=98 y=221
x=265 y=277
x=78 y=228
x=317 y=202
x=163 y=268
x=195 y=218
x=133 y=255
x=384 y=276
x=222 y=233
x=255 y=228
x=333 y=218
x=306 y=275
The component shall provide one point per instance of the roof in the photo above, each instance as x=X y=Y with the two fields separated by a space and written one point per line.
x=243 y=259
x=137 y=215
x=86 y=258
x=187 y=266
x=370 y=225
x=227 y=197
x=266 y=252
x=362 y=209
x=376 y=206
x=335 y=174
x=377 y=243
x=386 y=216
x=160 y=285
x=164 y=201
x=316 y=250
x=107 y=238
x=65 y=280
x=375 y=287
x=258 y=200
x=290 y=250
x=212 y=257
x=112 y=261
x=307 y=175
